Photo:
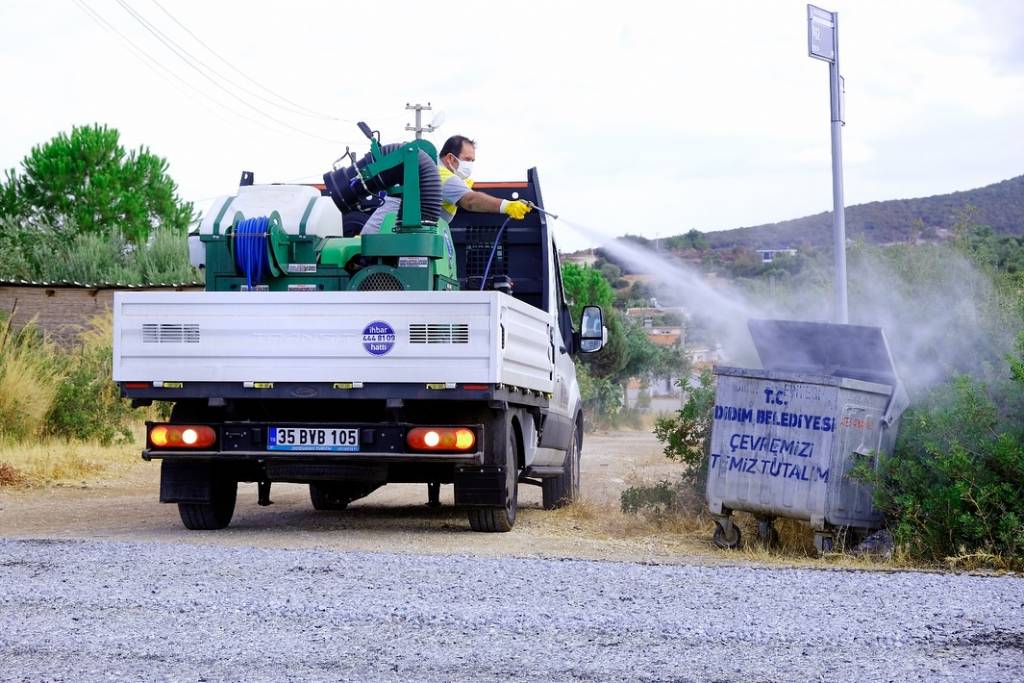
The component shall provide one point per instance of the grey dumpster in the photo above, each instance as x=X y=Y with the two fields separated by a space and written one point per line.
x=785 y=437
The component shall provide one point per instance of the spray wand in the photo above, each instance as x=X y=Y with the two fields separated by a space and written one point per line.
x=538 y=208
x=487 y=269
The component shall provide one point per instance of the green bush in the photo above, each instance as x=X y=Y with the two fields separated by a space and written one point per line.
x=47 y=253
x=659 y=498
x=662 y=499
x=87 y=405
x=601 y=397
x=954 y=485
x=46 y=390
x=687 y=434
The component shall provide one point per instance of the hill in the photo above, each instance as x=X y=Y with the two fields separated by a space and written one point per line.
x=999 y=206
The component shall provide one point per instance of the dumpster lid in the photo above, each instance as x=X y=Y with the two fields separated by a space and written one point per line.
x=854 y=351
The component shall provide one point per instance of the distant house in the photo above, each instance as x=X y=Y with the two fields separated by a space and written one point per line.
x=704 y=356
x=657 y=319
x=768 y=255
x=586 y=257
x=664 y=327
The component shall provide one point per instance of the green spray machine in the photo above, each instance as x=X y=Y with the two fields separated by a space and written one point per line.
x=292 y=237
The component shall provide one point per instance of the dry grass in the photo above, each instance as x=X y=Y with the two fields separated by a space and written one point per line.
x=29 y=378
x=981 y=560
x=609 y=523
x=684 y=534
x=54 y=462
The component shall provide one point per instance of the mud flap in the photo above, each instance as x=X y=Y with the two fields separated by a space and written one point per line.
x=480 y=487
x=186 y=481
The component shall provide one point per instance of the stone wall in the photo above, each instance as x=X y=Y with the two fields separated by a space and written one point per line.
x=61 y=310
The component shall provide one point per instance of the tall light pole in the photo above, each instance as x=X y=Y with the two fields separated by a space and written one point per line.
x=823 y=44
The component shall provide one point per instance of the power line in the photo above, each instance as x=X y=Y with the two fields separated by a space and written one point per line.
x=190 y=60
x=157 y=66
x=298 y=108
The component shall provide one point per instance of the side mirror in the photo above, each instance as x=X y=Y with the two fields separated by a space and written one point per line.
x=593 y=333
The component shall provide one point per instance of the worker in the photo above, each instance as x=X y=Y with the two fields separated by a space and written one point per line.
x=455 y=164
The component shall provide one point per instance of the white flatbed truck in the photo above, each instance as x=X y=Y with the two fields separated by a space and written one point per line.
x=349 y=390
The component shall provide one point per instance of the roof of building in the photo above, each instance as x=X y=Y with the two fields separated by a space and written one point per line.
x=669 y=339
x=72 y=284
x=656 y=311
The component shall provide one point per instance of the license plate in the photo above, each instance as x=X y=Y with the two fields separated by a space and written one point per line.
x=325 y=439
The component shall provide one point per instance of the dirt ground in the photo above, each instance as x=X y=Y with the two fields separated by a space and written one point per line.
x=393 y=519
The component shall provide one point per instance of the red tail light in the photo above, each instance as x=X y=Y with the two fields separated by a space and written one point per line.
x=459 y=439
x=182 y=436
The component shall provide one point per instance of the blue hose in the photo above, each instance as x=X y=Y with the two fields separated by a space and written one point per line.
x=251 y=256
x=494 y=249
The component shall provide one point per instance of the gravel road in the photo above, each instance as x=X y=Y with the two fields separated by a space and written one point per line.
x=113 y=610
x=393 y=519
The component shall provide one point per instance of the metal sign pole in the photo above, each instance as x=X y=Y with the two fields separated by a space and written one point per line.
x=823 y=43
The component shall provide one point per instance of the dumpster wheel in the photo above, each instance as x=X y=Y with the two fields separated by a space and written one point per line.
x=727 y=540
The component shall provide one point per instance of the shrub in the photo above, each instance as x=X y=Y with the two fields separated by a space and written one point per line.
x=687 y=434
x=664 y=499
x=30 y=375
x=48 y=253
x=87 y=405
x=955 y=482
x=601 y=397
x=165 y=259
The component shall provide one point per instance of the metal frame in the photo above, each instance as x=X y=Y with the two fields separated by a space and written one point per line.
x=327 y=390
x=307 y=457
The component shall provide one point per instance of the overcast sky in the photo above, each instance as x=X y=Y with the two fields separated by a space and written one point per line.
x=648 y=118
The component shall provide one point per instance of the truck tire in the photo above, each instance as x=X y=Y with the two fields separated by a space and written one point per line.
x=565 y=488
x=337 y=495
x=501 y=519
x=215 y=514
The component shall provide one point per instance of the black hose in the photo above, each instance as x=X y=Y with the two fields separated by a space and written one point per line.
x=494 y=250
x=347 y=190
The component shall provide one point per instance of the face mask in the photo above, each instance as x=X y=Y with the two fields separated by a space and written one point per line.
x=465 y=169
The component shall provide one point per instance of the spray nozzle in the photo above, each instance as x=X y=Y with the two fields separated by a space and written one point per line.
x=538 y=208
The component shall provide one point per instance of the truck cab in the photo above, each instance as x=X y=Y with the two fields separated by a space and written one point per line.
x=351 y=382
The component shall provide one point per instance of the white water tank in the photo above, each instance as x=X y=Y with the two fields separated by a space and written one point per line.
x=298 y=206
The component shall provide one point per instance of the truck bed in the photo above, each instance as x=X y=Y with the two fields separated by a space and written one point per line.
x=331 y=337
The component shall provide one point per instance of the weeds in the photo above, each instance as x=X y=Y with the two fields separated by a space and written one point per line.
x=55 y=462
x=87 y=404
x=29 y=381
x=662 y=498
x=60 y=411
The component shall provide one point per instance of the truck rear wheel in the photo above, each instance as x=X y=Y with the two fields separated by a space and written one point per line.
x=215 y=514
x=565 y=488
x=501 y=519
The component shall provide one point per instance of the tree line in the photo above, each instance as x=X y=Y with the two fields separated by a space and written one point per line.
x=83 y=208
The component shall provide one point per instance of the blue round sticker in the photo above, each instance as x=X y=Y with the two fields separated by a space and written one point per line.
x=378 y=338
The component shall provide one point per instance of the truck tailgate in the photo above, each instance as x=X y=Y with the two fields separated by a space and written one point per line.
x=370 y=337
